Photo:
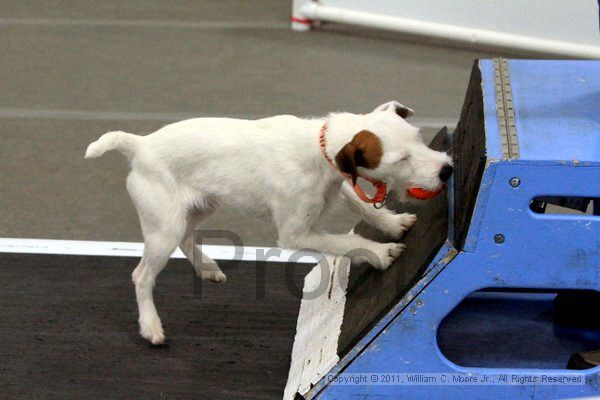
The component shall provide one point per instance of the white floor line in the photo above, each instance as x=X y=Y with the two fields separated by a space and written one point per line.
x=58 y=22
x=162 y=116
x=132 y=249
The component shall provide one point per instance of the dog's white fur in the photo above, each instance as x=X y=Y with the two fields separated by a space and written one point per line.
x=184 y=171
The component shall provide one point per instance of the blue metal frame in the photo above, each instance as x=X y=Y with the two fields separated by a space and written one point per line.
x=540 y=251
x=547 y=251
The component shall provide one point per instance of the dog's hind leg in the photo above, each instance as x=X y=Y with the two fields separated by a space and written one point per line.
x=205 y=267
x=163 y=226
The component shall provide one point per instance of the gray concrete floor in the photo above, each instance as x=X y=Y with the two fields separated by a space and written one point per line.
x=74 y=70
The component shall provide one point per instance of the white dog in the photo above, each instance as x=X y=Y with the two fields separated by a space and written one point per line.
x=184 y=171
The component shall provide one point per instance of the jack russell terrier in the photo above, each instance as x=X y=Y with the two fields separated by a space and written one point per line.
x=292 y=166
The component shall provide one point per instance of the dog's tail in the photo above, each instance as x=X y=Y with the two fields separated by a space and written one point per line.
x=124 y=142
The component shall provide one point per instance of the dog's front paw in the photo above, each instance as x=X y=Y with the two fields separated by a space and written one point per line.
x=214 y=276
x=152 y=331
x=385 y=255
x=398 y=224
x=407 y=220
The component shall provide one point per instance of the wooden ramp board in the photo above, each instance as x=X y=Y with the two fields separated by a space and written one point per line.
x=371 y=293
x=69 y=330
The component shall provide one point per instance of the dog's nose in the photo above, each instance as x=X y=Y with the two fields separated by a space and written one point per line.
x=446 y=172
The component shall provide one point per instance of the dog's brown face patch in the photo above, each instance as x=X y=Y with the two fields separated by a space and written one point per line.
x=365 y=150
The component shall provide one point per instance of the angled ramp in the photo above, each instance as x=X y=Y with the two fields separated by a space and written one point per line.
x=527 y=142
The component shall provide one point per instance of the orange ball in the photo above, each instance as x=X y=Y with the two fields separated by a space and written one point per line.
x=423 y=194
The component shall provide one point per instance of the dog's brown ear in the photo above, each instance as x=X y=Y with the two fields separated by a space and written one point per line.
x=346 y=162
x=403 y=111
x=365 y=150
x=400 y=109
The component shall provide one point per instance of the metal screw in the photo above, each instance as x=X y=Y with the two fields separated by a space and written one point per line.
x=413 y=310
x=419 y=303
x=515 y=182
x=499 y=238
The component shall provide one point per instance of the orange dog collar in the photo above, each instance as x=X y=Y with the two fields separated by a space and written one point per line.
x=378 y=200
